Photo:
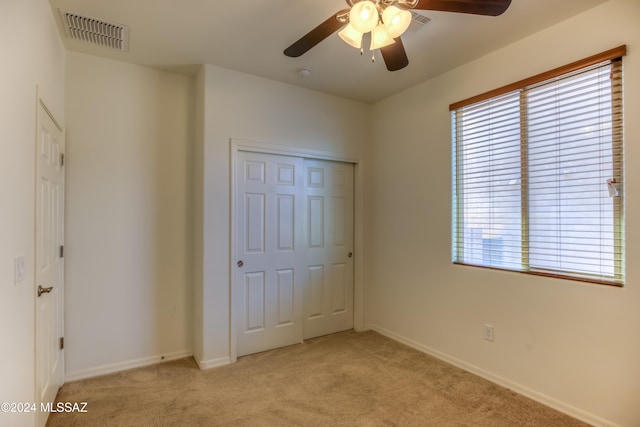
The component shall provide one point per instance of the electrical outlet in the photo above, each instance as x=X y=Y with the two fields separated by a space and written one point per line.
x=488 y=332
x=18 y=270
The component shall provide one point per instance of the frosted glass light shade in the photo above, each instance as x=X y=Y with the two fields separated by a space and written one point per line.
x=351 y=36
x=396 y=20
x=380 y=37
x=364 y=16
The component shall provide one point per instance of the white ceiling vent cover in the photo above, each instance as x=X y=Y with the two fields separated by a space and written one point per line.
x=95 y=31
x=417 y=21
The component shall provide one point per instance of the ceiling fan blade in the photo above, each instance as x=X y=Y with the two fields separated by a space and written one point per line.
x=316 y=35
x=477 y=7
x=394 y=55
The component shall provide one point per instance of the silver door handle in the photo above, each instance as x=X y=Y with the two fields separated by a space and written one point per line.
x=42 y=290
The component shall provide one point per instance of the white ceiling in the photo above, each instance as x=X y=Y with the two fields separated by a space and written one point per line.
x=249 y=36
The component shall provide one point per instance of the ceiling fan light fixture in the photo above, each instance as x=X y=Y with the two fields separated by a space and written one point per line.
x=396 y=20
x=380 y=37
x=364 y=16
x=351 y=36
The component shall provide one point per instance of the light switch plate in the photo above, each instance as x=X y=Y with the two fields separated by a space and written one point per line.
x=487 y=332
x=18 y=269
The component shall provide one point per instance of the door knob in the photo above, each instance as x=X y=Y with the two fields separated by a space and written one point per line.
x=42 y=290
x=240 y=263
x=350 y=254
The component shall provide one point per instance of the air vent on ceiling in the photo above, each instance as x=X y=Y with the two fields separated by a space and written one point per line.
x=417 y=21
x=95 y=31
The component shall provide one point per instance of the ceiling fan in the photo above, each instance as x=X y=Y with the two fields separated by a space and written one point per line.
x=386 y=20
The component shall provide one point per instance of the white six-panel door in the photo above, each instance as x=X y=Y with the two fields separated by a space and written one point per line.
x=294 y=244
x=269 y=237
x=328 y=294
x=49 y=278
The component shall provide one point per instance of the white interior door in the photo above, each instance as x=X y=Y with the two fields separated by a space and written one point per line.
x=328 y=294
x=49 y=276
x=268 y=279
x=293 y=249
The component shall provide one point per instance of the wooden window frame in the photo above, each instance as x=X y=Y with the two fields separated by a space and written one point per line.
x=613 y=55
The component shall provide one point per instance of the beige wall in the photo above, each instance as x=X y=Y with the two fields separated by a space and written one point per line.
x=241 y=106
x=128 y=219
x=572 y=345
x=32 y=55
x=131 y=175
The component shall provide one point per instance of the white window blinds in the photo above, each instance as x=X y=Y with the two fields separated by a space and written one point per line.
x=538 y=175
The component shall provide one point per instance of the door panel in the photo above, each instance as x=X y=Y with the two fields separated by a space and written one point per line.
x=339 y=291
x=285 y=223
x=255 y=303
x=286 y=293
x=314 y=292
x=269 y=280
x=255 y=223
x=328 y=298
x=49 y=263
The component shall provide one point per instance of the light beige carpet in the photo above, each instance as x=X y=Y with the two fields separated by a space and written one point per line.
x=346 y=379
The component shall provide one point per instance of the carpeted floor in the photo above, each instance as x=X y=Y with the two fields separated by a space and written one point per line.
x=345 y=379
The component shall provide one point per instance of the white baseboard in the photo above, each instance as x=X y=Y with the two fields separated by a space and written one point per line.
x=123 y=366
x=213 y=363
x=504 y=382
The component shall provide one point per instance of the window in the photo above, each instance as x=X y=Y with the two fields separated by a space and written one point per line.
x=538 y=174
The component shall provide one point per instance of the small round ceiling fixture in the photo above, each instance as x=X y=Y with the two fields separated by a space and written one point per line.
x=304 y=72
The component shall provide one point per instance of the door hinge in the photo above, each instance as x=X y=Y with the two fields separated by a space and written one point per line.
x=61 y=343
x=61 y=251
x=61 y=159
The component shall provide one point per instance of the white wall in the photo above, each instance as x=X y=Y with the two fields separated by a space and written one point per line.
x=240 y=106
x=32 y=54
x=129 y=208
x=570 y=344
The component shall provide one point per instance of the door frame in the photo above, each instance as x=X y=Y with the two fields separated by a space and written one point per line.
x=237 y=145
